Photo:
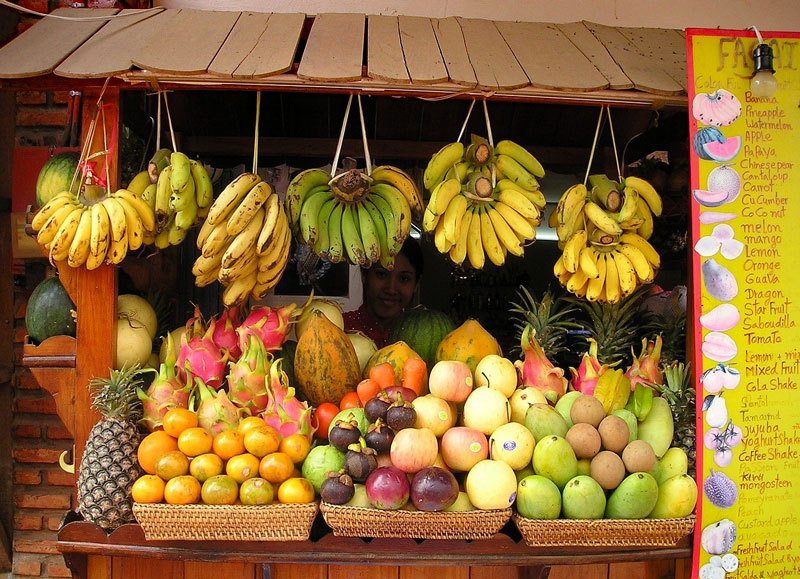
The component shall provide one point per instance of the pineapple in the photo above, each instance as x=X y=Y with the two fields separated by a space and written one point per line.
x=109 y=465
x=678 y=392
x=546 y=316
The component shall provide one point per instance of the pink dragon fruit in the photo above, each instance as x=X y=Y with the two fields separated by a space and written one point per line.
x=645 y=368
x=165 y=392
x=284 y=412
x=224 y=334
x=537 y=371
x=584 y=379
x=215 y=413
x=271 y=325
x=200 y=356
x=247 y=377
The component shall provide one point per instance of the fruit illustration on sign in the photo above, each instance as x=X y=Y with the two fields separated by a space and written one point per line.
x=719 y=108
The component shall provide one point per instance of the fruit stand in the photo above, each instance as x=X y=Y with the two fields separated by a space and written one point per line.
x=502 y=197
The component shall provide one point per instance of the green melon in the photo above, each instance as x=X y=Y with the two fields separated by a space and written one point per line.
x=56 y=176
x=422 y=329
x=49 y=311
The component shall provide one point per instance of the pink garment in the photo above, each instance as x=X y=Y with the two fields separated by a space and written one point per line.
x=361 y=320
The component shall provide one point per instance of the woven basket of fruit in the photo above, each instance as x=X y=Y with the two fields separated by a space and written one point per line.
x=275 y=522
x=604 y=532
x=367 y=522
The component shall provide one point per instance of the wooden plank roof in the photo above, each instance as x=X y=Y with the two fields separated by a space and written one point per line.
x=416 y=55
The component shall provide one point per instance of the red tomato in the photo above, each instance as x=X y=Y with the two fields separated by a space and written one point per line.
x=350 y=400
x=324 y=413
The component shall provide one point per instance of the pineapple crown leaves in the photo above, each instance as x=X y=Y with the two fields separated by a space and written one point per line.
x=546 y=316
x=116 y=396
x=677 y=387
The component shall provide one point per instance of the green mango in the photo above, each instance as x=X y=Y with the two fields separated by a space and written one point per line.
x=673 y=463
x=658 y=427
x=554 y=458
x=543 y=421
x=583 y=498
x=676 y=498
x=634 y=498
x=564 y=405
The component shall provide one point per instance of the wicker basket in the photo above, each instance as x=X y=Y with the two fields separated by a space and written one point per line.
x=366 y=522
x=604 y=532
x=276 y=522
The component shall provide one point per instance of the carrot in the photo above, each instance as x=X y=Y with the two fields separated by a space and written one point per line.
x=415 y=371
x=367 y=389
x=383 y=374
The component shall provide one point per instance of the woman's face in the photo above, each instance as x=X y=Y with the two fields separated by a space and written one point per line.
x=387 y=293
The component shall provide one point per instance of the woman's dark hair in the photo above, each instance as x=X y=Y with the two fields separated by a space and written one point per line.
x=413 y=252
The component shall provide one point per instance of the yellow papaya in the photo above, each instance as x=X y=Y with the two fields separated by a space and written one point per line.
x=468 y=343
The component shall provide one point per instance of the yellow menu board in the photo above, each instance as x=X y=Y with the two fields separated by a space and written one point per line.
x=745 y=222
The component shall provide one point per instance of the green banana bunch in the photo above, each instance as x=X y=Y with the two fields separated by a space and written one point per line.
x=181 y=196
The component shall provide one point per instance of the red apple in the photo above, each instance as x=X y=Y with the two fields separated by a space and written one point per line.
x=450 y=380
x=414 y=450
x=463 y=447
x=434 y=413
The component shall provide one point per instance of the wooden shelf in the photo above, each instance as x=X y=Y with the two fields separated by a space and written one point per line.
x=54 y=352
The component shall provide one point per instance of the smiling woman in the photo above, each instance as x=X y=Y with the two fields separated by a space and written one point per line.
x=386 y=294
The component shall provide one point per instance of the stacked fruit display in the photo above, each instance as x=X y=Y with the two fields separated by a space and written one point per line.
x=603 y=234
x=354 y=217
x=484 y=201
x=244 y=241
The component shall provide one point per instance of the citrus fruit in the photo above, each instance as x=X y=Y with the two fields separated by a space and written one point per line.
x=176 y=420
x=249 y=422
x=256 y=491
x=242 y=467
x=195 y=441
x=296 y=446
x=182 y=490
x=262 y=440
x=296 y=490
x=220 y=490
x=276 y=467
x=172 y=464
x=205 y=466
x=228 y=443
x=154 y=446
x=148 y=489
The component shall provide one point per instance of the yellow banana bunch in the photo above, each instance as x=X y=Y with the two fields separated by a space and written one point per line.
x=244 y=241
x=180 y=197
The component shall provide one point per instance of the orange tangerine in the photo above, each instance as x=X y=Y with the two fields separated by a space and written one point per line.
x=205 y=466
x=256 y=491
x=176 y=420
x=154 y=446
x=220 y=490
x=182 y=490
x=296 y=446
x=148 y=488
x=195 y=441
x=262 y=440
x=276 y=467
x=242 y=467
x=228 y=443
x=172 y=464
x=296 y=490
x=246 y=424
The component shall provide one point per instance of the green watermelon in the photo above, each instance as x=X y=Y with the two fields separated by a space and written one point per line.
x=56 y=176
x=49 y=311
x=422 y=329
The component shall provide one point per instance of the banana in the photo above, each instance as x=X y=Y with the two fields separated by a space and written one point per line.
x=491 y=245
x=535 y=197
x=648 y=192
x=612 y=280
x=577 y=282
x=459 y=171
x=100 y=237
x=475 y=253
x=521 y=155
x=642 y=245
x=163 y=192
x=243 y=267
x=47 y=210
x=516 y=172
x=48 y=232
x=203 y=188
x=429 y=218
x=369 y=233
x=139 y=183
x=594 y=291
x=458 y=253
x=202 y=235
x=134 y=227
x=181 y=172
x=451 y=220
x=587 y=261
x=268 y=261
x=633 y=223
x=570 y=204
x=404 y=183
x=440 y=241
x=117 y=250
x=298 y=188
x=605 y=192
x=274 y=220
x=440 y=163
x=505 y=233
x=79 y=248
x=521 y=226
x=270 y=276
x=183 y=199
x=601 y=219
x=206 y=278
x=335 y=241
x=215 y=240
x=59 y=247
x=382 y=231
x=239 y=290
x=186 y=218
x=158 y=162
x=572 y=250
x=248 y=207
x=626 y=272
x=116 y=217
x=205 y=265
x=149 y=195
x=445 y=194
x=629 y=205
x=162 y=239
x=399 y=208
x=230 y=197
x=644 y=271
x=245 y=242
x=552 y=219
x=351 y=236
x=519 y=203
x=645 y=230
x=176 y=235
x=321 y=243
x=309 y=215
